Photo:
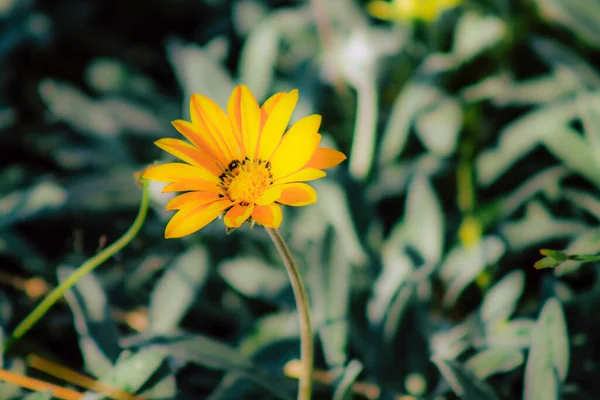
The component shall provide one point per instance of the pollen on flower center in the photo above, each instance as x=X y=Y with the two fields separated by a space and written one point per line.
x=245 y=181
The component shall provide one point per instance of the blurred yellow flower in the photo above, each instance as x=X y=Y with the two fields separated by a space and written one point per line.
x=241 y=163
x=427 y=10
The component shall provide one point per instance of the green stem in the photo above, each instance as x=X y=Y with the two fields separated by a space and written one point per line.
x=306 y=337
x=83 y=270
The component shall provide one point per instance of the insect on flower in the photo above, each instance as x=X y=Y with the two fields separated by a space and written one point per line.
x=241 y=163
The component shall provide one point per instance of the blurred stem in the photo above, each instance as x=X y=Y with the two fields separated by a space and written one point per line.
x=85 y=268
x=306 y=338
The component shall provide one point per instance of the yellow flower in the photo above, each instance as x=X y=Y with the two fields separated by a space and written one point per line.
x=241 y=163
x=427 y=10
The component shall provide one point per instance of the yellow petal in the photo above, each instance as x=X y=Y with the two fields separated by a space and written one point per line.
x=325 y=158
x=191 y=133
x=304 y=175
x=271 y=102
x=191 y=219
x=237 y=215
x=269 y=196
x=173 y=172
x=196 y=185
x=189 y=154
x=191 y=199
x=215 y=125
x=269 y=215
x=244 y=116
x=278 y=119
x=297 y=194
x=297 y=147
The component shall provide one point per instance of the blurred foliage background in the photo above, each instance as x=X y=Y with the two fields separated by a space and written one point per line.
x=473 y=135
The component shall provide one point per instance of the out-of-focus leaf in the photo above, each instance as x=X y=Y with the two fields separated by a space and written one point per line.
x=568 y=146
x=584 y=200
x=39 y=396
x=133 y=117
x=165 y=388
x=98 y=335
x=176 y=290
x=438 y=126
x=501 y=300
x=548 y=359
x=423 y=226
x=494 y=360
x=413 y=98
x=334 y=208
x=42 y=198
x=452 y=343
x=463 y=265
x=270 y=329
x=590 y=118
x=515 y=333
x=586 y=243
x=581 y=17
x=199 y=71
x=235 y=384
x=19 y=248
x=343 y=390
x=330 y=283
x=114 y=190
x=502 y=90
x=246 y=14
x=464 y=383
x=538 y=226
x=132 y=370
x=363 y=142
x=10 y=390
x=475 y=33
x=259 y=58
x=397 y=267
x=521 y=136
x=253 y=277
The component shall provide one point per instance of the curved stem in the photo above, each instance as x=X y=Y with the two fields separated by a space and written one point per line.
x=306 y=338
x=83 y=270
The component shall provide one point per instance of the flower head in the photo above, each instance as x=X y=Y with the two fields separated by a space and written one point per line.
x=241 y=163
x=427 y=10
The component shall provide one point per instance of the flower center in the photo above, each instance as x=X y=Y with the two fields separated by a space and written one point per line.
x=245 y=181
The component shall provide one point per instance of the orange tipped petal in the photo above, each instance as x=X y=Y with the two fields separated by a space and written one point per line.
x=304 y=175
x=237 y=215
x=191 y=199
x=297 y=194
x=274 y=127
x=297 y=147
x=269 y=215
x=191 y=133
x=244 y=115
x=188 y=153
x=191 y=219
x=197 y=185
x=269 y=196
x=173 y=172
x=208 y=117
x=324 y=158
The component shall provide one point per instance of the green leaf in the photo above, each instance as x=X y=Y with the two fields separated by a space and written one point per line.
x=438 y=126
x=501 y=300
x=515 y=333
x=475 y=33
x=258 y=58
x=176 y=290
x=132 y=370
x=98 y=334
x=494 y=360
x=548 y=360
x=463 y=382
x=329 y=284
x=39 y=396
x=253 y=277
x=582 y=17
x=343 y=390
x=413 y=98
